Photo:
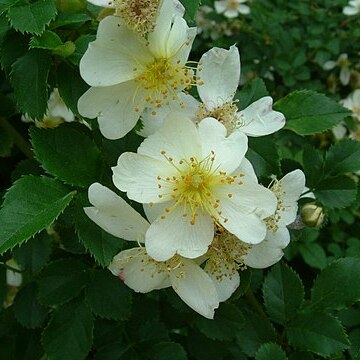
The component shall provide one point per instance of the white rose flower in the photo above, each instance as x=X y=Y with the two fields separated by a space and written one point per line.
x=139 y=15
x=352 y=102
x=231 y=8
x=227 y=254
x=344 y=64
x=191 y=177
x=128 y=73
x=353 y=8
x=219 y=72
x=288 y=191
x=57 y=112
x=136 y=268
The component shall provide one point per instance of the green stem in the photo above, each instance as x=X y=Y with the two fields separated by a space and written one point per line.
x=254 y=303
x=19 y=141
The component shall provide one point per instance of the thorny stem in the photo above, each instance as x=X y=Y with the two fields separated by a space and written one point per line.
x=254 y=303
x=19 y=141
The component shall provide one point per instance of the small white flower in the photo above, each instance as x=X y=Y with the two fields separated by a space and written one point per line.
x=191 y=177
x=353 y=8
x=227 y=254
x=136 y=268
x=128 y=73
x=352 y=102
x=139 y=15
x=231 y=8
x=339 y=131
x=344 y=64
x=288 y=191
x=218 y=77
x=219 y=71
x=57 y=113
x=13 y=278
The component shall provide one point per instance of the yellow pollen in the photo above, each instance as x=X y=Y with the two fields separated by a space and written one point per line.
x=194 y=186
x=162 y=78
x=232 y=4
x=157 y=267
x=226 y=254
x=273 y=220
x=225 y=113
x=139 y=15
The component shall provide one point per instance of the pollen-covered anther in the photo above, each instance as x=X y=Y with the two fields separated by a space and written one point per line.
x=273 y=220
x=226 y=254
x=162 y=78
x=193 y=187
x=139 y=15
x=225 y=113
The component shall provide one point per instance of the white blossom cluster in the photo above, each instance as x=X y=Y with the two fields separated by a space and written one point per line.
x=207 y=216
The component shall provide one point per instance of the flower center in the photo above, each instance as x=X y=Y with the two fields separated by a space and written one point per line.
x=162 y=79
x=225 y=113
x=343 y=62
x=139 y=15
x=226 y=254
x=194 y=187
x=273 y=220
x=232 y=4
x=356 y=109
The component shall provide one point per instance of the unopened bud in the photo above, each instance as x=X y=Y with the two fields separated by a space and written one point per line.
x=312 y=215
x=71 y=6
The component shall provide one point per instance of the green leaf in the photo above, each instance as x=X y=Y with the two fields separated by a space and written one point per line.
x=283 y=293
x=7 y=109
x=245 y=281
x=31 y=205
x=29 y=78
x=337 y=286
x=153 y=330
x=336 y=192
x=313 y=254
x=270 y=351
x=3 y=285
x=47 y=40
x=81 y=43
x=101 y=245
x=343 y=157
x=263 y=155
x=69 y=333
x=191 y=8
x=167 y=350
x=354 y=350
x=34 y=254
x=313 y=165
x=256 y=331
x=5 y=5
x=12 y=48
x=6 y=143
x=74 y=162
x=319 y=333
x=32 y=17
x=251 y=92
x=308 y=112
x=71 y=86
x=107 y=296
x=227 y=322
x=61 y=281
x=302 y=355
x=27 y=309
